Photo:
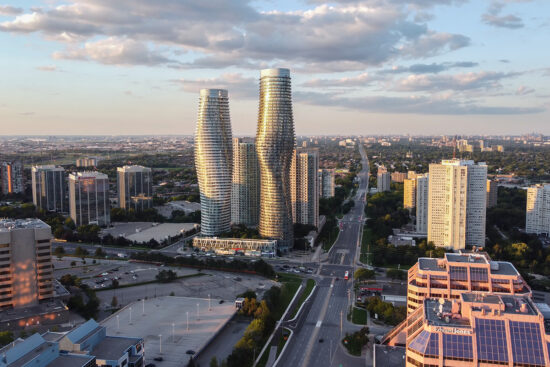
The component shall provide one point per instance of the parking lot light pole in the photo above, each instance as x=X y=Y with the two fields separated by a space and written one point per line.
x=130 y=315
x=173 y=325
x=198 y=313
x=160 y=343
x=117 y=323
x=209 y=303
x=187 y=314
x=143 y=304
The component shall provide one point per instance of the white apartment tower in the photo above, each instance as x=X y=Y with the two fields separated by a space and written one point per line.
x=383 y=181
x=537 y=218
x=245 y=190
x=422 y=198
x=457 y=204
x=304 y=187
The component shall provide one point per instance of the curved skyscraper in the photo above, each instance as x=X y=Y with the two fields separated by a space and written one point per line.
x=213 y=161
x=274 y=146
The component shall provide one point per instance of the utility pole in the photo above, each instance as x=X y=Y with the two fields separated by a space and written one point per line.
x=341 y=322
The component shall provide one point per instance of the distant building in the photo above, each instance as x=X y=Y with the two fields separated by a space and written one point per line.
x=492 y=193
x=91 y=339
x=457 y=204
x=87 y=162
x=398 y=176
x=537 y=218
x=411 y=174
x=214 y=161
x=233 y=246
x=26 y=273
x=36 y=351
x=304 y=186
x=89 y=198
x=409 y=193
x=383 y=181
x=422 y=198
x=326 y=183
x=498 y=148
x=245 y=190
x=49 y=188
x=135 y=187
x=12 y=178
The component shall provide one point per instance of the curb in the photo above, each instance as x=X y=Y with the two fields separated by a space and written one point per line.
x=283 y=350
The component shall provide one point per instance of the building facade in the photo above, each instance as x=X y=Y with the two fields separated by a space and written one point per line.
x=49 y=188
x=274 y=144
x=214 y=161
x=326 y=183
x=26 y=273
x=457 y=204
x=135 y=187
x=537 y=217
x=87 y=162
x=492 y=193
x=11 y=174
x=398 y=176
x=304 y=186
x=422 y=198
x=479 y=330
x=245 y=191
x=409 y=193
x=89 y=198
x=234 y=246
x=383 y=181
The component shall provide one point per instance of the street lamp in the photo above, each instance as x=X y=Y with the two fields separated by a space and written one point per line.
x=160 y=343
x=173 y=332
x=187 y=314
x=130 y=315
x=209 y=303
x=198 y=313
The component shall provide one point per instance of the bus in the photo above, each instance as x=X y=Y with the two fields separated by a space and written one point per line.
x=346 y=275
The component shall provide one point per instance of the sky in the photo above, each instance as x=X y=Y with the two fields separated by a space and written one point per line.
x=135 y=67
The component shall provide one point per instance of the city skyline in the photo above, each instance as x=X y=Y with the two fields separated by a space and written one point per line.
x=421 y=67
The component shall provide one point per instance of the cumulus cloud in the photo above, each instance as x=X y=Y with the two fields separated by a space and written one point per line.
x=429 y=68
x=235 y=83
x=523 y=90
x=48 y=68
x=221 y=34
x=458 y=82
x=10 y=10
x=494 y=18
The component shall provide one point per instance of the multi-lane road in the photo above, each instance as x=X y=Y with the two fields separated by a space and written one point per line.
x=316 y=342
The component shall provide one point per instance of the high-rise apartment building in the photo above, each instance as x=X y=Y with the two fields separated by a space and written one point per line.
x=537 y=217
x=398 y=176
x=89 y=198
x=492 y=193
x=457 y=204
x=135 y=187
x=422 y=198
x=12 y=178
x=411 y=174
x=304 y=187
x=214 y=161
x=274 y=144
x=87 y=162
x=26 y=272
x=49 y=188
x=245 y=191
x=409 y=193
x=383 y=181
x=326 y=183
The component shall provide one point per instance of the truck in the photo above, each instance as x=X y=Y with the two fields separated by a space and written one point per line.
x=122 y=255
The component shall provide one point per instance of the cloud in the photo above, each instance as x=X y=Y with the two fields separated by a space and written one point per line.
x=27 y=113
x=48 y=68
x=10 y=10
x=360 y=80
x=414 y=105
x=429 y=68
x=523 y=90
x=115 y=51
x=235 y=83
x=458 y=82
x=218 y=34
x=494 y=18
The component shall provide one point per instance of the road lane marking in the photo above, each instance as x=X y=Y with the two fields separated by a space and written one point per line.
x=318 y=324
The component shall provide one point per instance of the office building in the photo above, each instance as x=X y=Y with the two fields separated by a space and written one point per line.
x=479 y=330
x=422 y=198
x=537 y=217
x=89 y=198
x=383 y=181
x=135 y=187
x=213 y=161
x=49 y=188
x=36 y=351
x=274 y=145
x=492 y=193
x=409 y=193
x=87 y=162
x=26 y=273
x=412 y=175
x=12 y=178
x=457 y=204
x=236 y=246
x=398 y=176
x=245 y=190
x=304 y=187
x=458 y=273
x=326 y=183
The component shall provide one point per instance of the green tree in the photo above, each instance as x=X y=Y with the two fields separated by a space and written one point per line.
x=214 y=362
x=6 y=337
x=114 y=302
x=395 y=274
x=99 y=252
x=80 y=252
x=364 y=274
x=114 y=283
x=59 y=251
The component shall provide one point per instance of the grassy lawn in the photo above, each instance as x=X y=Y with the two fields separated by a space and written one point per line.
x=282 y=341
x=329 y=241
x=359 y=316
x=367 y=238
x=307 y=291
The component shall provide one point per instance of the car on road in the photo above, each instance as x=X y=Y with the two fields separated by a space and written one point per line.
x=150 y=365
x=158 y=359
x=190 y=352
x=321 y=340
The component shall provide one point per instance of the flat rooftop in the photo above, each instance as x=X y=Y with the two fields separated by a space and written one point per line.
x=112 y=347
x=52 y=305
x=427 y=263
x=432 y=313
x=466 y=258
x=504 y=268
x=70 y=360
x=508 y=303
x=165 y=319
x=7 y=225
x=385 y=355
x=146 y=231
